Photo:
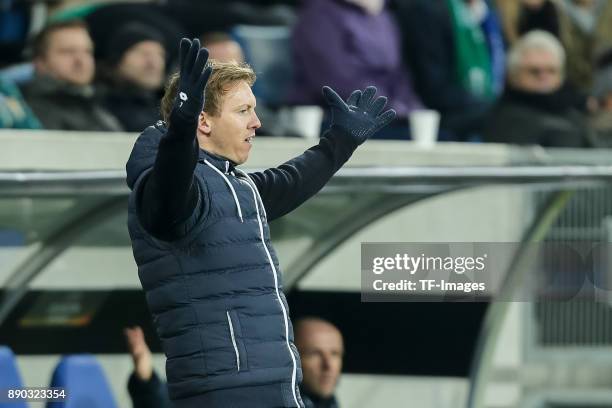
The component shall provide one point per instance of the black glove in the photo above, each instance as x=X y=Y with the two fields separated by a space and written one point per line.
x=189 y=100
x=360 y=115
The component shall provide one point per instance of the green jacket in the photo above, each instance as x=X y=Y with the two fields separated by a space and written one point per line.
x=14 y=112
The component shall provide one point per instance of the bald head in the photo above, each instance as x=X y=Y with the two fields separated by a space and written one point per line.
x=321 y=350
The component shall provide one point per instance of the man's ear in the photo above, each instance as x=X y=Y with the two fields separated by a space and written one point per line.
x=204 y=124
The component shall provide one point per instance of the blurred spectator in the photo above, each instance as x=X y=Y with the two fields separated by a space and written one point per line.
x=321 y=351
x=222 y=47
x=601 y=120
x=456 y=51
x=150 y=14
x=144 y=386
x=351 y=44
x=14 y=112
x=536 y=108
x=583 y=26
x=134 y=77
x=61 y=94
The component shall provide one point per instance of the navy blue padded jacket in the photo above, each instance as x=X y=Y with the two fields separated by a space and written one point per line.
x=214 y=285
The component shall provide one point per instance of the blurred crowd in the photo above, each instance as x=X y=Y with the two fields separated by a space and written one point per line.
x=503 y=71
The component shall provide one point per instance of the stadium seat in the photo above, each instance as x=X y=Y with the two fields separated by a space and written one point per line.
x=85 y=383
x=13 y=22
x=9 y=375
x=10 y=237
x=268 y=51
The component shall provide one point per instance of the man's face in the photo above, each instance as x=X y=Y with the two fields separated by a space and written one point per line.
x=540 y=71
x=69 y=56
x=144 y=65
x=231 y=132
x=321 y=350
x=225 y=51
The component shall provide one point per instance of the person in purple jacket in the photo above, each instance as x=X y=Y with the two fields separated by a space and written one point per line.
x=349 y=44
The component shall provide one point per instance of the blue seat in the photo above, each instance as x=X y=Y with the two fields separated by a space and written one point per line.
x=9 y=376
x=268 y=50
x=10 y=237
x=13 y=22
x=85 y=383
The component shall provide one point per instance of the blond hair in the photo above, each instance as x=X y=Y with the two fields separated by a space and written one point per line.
x=224 y=74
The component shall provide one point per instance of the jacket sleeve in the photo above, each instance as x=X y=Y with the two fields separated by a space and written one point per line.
x=148 y=394
x=170 y=194
x=287 y=186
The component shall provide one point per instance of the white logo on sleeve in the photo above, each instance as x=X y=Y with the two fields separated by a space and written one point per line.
x=183 y=98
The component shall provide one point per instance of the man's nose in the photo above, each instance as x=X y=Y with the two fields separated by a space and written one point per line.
x=150 y=60
x=326 y=362
x=255 y=124
x=81 y=59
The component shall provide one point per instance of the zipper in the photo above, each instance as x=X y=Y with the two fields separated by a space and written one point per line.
x=231 y=327
x=263 y=241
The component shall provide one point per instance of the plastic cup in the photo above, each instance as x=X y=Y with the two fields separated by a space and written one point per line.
x=424 y=125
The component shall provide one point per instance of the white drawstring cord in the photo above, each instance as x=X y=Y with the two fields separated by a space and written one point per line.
x=252 y=183
x=230 y=186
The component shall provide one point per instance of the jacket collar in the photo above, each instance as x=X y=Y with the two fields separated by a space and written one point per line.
x=313 y=401
x=46 y=85
x=224 y=165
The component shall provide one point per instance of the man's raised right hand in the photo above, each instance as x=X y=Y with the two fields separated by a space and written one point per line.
x=189 y=100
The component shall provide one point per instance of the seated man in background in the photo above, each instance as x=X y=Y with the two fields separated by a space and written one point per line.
x=321 y=350
x=134 y=77
x=61 y=93
x=145 y=387
x=536 y=108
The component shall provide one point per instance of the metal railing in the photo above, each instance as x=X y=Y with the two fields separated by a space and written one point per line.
x=369 y=179
x=402 y=185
